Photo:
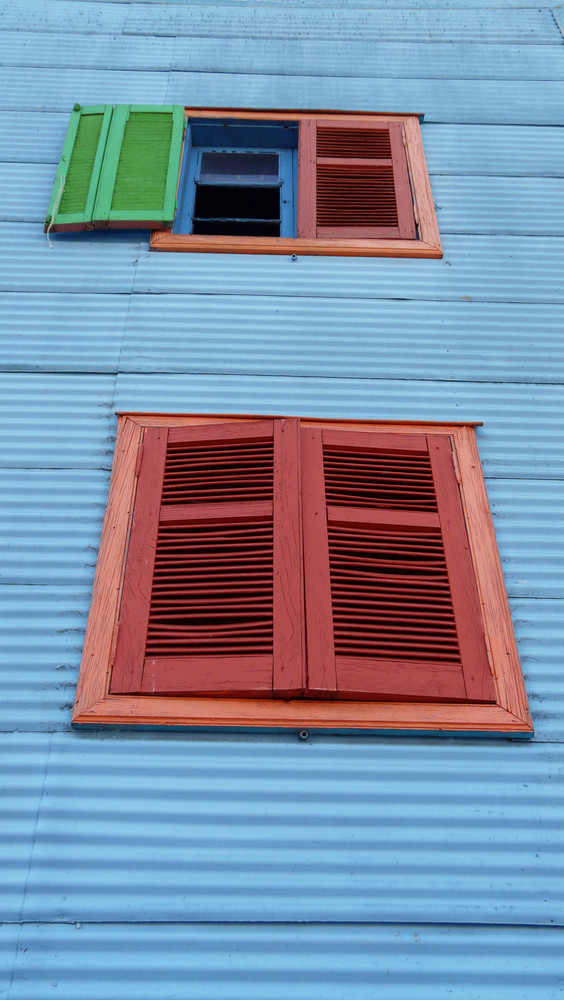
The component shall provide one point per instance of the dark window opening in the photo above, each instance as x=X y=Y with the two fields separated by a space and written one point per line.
x=237 y=210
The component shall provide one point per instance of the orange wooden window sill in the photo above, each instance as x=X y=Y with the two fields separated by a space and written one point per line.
x=428 y=243
x=95 y=705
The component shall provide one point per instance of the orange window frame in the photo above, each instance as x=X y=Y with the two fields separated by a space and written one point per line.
x=427 y=245
x=94 y=705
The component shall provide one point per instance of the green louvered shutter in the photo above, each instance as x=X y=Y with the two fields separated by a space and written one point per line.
x=76 y=181
x=121 y=174
x=140 y=171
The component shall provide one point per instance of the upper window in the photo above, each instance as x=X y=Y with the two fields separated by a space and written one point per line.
x=289 y=572
x=238 y=179
x=250 y=182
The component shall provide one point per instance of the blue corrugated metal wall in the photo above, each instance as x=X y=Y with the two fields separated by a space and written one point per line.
x=231 y=867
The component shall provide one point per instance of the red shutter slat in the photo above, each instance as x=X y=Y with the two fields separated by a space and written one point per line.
x=224 y=513
x=404 y=519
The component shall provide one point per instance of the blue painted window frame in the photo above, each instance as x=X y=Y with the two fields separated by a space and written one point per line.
x=255 y=136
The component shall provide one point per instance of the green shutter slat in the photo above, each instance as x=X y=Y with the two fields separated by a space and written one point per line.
x=76 y=181
x=141 y=165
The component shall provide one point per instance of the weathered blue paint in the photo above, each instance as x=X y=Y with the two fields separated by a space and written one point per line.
x=229 y=961
x=348 y=57
x=252 y=865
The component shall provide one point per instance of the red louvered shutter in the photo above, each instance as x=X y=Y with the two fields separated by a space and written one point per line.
x=213 y=595
x=353 y=181
x=391 y=601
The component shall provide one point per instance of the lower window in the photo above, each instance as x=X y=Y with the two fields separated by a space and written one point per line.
x=286 y=572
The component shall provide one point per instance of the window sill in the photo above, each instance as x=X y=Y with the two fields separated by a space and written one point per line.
x=118 y=710
x=183 y=243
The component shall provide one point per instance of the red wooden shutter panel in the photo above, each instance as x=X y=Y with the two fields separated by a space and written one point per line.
x=397 y=559
x=217 y=605
x=356 y=175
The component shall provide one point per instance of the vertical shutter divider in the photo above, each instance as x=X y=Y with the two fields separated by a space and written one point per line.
x=321 y=666
x=138 y=581
x=404 y=198
x=465 y=601
x=307 y=179
x=289 y=624
x=111 y=161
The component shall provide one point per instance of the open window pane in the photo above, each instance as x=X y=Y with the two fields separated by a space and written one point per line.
x=239 y=168
x=239 y=179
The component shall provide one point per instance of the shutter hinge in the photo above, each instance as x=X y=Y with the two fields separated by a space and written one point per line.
x=139 y=460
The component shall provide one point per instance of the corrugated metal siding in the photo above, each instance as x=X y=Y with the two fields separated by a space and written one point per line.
x=73 y=15
x=286 y=56
x=267 y=335
x=32 y=137
x=95 y=262
x=151 y=828
x=486 y=269
x=499 y=269
x=494 y=149
x=62 y=421
x=539 y=627
x=521 y=206
x=371 y=24
x=232 y=963
x=95 y=51
x=63 y=535
x=521 y=436
x=35 y=89
x=362 y=338
x=41 y=633
x=62 y=332
x=167 y=829
x=21 y=786
x=535 y=103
